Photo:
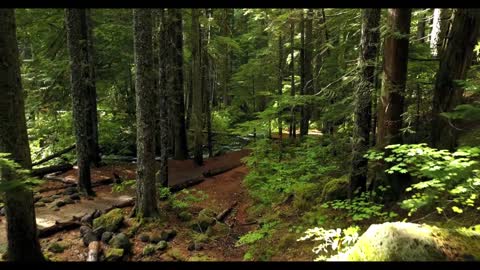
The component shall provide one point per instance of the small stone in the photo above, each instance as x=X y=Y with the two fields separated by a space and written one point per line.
x=162 y=245
x=120 y=241
x=60 y=203
x=56 y=196
x=84 y=230
x=88 y=218
x=144 y=237
x=148 y=250
x=40 y=204
x=46 y=199
x=106 y=236
x=114 y=254
x=68 y=201
x=37 y=198
x=89 y=237
x=2 y=211
x=97 y=213
x=75 y=197
x=70 y=190
x=168 y=235
x=55 y=208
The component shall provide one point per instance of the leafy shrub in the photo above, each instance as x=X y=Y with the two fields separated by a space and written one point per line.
x=331 y=240
x=17 y=177
x=446 y=179
x=254 y=236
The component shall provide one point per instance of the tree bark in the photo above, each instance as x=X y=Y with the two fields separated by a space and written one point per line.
x=146 y=205
x=23 y=244
x=454 y=65
x=81 y=78
x=197 y=101
x=207 y=82
x=370 y=38
x=292 y=128
x=441 y=18
x=175 y=83
x=421 y=28
x=307 y=72
x=391 y=103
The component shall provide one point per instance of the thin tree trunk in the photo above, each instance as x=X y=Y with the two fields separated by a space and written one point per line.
x=440 y=27
x=421 y=28
x=363 y=98
x=307 y=72
x=23 y=244
x=197 y=88
x=454 y=65
x=81 y=81
x=207 y=82
x=292 y=129
x=146 y=205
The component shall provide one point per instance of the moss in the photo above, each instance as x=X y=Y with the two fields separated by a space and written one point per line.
x=148 y=250
x=336 y=189
x=200 y=238
x=218 y=230
x=175 y=254
x=200 y=258
x=287 y=241
x=56 y=248
x=307 y=195
x=111 y=221
x=412 y=242
x=114 y=254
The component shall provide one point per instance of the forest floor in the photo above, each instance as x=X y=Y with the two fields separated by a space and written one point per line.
x=223 y=191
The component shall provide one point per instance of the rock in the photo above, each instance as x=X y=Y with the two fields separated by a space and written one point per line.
x=162 y=245
x=335 y=189
x=89 y=237
x=99 y=231
x=46 y=199
x=185 y=216
x=55 y=208
x=106 y=236
x=168 y=235
x=218 y=230
x=37 y=198
x=56 y=196
x=88 y=218
x=120 y=241
x=148 y=250
x=56 y=248
x=155 y=238
x=97 y=213
x=111 y=221
x=70 y=191
x=399 y=241
x=84 y=230
x=68 y=201
x=39 y=204
x=60 y=203
x=75 y=196
x=2 y=211
x=114 y=254
x=144 y=238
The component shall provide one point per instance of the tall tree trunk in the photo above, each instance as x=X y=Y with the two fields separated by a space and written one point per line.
x=197 y=112
x=23 y=244
x=92 y=92
x=207 y=81
x=280 y=83
x=421 y=28
x=175 y=83
x=441 y=18
x=225 y=68
x=454 y=65
x=292 y=128
x=81 y=78
x=146 y=205
x=162 y=141
x=363 y=98
x=393 y=86
x=307 y=72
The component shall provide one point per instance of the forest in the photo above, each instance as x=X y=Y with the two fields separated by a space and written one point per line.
x=239 y=134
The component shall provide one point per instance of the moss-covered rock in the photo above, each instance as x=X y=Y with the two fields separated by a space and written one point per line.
x=200 y=258
x=336 y=189
x=205 y=219
x=400 y=241
x=113 y=254
x=218 y=230
x=176 y=255
x=162 y=245
x=185 y=216
x=56 y=248
x=148 y=250
x=120 y=241
x=111 y=221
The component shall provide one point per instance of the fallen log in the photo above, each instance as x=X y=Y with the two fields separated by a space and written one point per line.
x=93 y=251
x=50 y=169
x=59 y=226
x=186 y=184
x=220 y=170
x=221 y=217
x=54 y=155
x=55 y=188
x=123 y=204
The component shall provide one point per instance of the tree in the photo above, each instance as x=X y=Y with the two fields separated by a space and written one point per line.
x=391 y=102
x=454 y=65
x=292 y=128
x=421 y=27
x=441 y=18
x=146 y=205
x=175 y=82
x=23 y=244
x=197 y=96
x=363 y=98
x=307 y=81
x=83 y=93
